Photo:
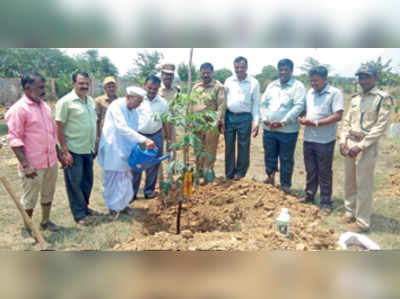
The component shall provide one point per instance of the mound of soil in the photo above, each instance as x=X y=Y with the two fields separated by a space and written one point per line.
x=234 y=215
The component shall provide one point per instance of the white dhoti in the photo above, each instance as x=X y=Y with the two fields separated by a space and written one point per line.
x=118 y=190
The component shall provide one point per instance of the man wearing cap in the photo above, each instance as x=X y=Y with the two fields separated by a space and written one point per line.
x=116 y=143
x=211 y=96
x=364 y=124
x=151 y=112
x=169 y=93
x=102 y=102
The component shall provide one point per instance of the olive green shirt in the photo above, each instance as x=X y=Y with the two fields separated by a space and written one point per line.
x=368 y=117
x=102 y=102
x=168 y=94
x=79 y=120
x=212 y=97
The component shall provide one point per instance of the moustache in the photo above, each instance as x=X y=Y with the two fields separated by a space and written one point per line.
x=84 y=88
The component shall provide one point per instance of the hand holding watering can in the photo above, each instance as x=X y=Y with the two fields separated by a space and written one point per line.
x=144 y=156
x=149 y=144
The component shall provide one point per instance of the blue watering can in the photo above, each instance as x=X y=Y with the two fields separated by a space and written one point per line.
x=142 y=158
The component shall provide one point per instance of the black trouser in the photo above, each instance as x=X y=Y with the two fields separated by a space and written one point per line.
x=152 y=172
x=280 y=145
x=318 y=158
x=79 y=181
x=240 y=125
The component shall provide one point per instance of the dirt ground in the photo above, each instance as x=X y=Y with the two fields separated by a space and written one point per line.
x=234 y=215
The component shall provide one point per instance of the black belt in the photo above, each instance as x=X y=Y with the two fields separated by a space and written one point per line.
x=151 y=133
x=237 y=113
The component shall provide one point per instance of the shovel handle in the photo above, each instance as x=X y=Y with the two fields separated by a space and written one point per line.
x=25 y=217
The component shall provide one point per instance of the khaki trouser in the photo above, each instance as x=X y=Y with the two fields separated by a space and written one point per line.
x=44 y=182
x=210 y=142
x=359 y=184
x=161 y=170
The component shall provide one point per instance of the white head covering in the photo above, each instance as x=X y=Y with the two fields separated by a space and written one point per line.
x=133 y=90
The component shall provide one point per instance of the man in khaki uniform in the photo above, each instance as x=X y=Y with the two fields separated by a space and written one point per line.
x=212 y=93
x=169 y=93
x=364 y=124
x=102 y=102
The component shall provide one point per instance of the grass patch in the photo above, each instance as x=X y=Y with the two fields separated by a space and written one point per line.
x=3 y=128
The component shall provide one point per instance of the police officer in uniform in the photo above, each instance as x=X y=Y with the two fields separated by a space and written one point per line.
x=364 y=124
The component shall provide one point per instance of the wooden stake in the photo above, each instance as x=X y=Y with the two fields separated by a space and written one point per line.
x=43 y=244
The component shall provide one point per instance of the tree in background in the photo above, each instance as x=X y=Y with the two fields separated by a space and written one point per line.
x=268 y=74
x=310 y=62
x=145 y=64
x=222 y=74
x=97 y=67
x=53 y=63
x=183 y=72
x=386 y=75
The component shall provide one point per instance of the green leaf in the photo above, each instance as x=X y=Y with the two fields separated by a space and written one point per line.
x=178 y=184
x=208 y=176
x=179 y=145
x=165 y=186
x=196 y=176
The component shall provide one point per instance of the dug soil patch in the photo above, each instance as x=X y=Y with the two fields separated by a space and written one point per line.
x=234 y=215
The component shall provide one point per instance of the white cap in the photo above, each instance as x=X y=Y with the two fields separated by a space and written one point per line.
x=134 y=90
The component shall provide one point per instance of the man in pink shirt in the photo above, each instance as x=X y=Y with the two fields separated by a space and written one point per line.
x=32 y=137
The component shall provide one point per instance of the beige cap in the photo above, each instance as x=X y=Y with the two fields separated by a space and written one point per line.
x=109 y=79
x=168 y=68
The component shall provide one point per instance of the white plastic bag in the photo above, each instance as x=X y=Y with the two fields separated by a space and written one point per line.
x=350 y=238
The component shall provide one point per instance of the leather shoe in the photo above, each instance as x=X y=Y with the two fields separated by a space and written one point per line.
x=150 y=196
x=326 y=210
x=270 y=180
x=354 y=227
x=305 y=199
x=347 y=219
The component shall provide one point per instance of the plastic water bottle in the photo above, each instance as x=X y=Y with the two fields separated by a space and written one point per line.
x=283 y=222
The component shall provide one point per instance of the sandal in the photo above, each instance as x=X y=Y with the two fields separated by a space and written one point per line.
x=326 y=210
x=94 y=213
x=128 y=211
x=84 y=221
x=113 y=215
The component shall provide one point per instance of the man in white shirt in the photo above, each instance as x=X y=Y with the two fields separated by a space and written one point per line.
x=119 y=136
x=151 y=126
x=243 y=102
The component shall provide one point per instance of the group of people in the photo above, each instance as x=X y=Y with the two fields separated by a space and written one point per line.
x=109 y=127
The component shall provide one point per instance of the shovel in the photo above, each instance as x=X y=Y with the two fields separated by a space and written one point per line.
x=44 y=246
